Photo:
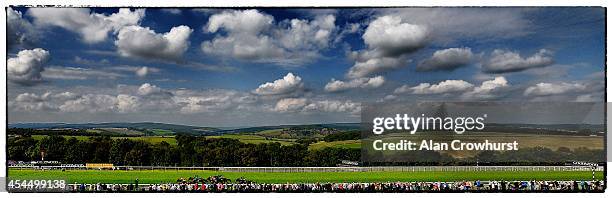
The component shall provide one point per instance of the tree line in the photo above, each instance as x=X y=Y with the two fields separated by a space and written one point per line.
x=68 y=132
x=202 y=151
x=189 y=151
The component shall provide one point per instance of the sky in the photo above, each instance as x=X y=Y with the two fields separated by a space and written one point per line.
x=252 y=67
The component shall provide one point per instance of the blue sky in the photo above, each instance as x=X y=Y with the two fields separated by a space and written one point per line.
x=239 y=67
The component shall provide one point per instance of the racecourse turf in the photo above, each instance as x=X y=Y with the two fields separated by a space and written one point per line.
x=157 y=176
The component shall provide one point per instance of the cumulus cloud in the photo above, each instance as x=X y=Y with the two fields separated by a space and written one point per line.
x=388 y=41
x=31 y=102
x=142 y=72
x=213 y=101
x=446 y=59
x=142 y=42
x=18 y=30
x=337 y=85
x=546 y=89
x=334 y=106
x=287 y=85
x=443 y=87
x=391 y=37
x=147 y=89
x=304 y=105
x=290 y=104
x=146 y=98
x=502 y=61
x=448 y=24
x=92 y=27
x=26 y=68
x=374 y=65
x=487 y=90
x=254 y=36
x=135 y=99
x=92 y=103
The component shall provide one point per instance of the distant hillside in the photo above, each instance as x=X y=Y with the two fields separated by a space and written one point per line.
x=176 y=128
x=338 y=126
x=579 y=129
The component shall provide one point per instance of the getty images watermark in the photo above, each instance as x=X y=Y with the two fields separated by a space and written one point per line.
x=490 y=132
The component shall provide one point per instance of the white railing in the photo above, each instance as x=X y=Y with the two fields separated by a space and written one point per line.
x=342 y=169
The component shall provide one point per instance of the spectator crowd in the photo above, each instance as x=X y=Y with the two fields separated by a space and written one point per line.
x=184 y=185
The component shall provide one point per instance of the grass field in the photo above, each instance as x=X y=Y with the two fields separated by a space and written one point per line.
x=157 y=176
x=336 y=144
x=161 y=132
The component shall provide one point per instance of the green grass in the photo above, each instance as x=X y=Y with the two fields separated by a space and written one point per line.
x=157 y=176
x=271 y=132
x=161 y=132
x=336 y=144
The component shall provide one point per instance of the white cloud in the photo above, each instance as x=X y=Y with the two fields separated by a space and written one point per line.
x=253 y=35
x=135 y=99
x=374 y=66
x=502 y=61
x=77 y=73
x=488 y=89
x=304 y=34
x=304 y=105
x=388 y=41
x=334 y=106
x=213 y=101
x=448 y=24
x=337 y=85
x=446 y=86
x=235 y=21
x=142 y=42
x=175 y=11
x=150 y=90
x=92 y=103
x=65 y=96
x=142 y=72
x=127 y=103
x=392 y=37
x=18 y=29
x=287 y=85
x=389 y=97
x=93 y=27
x=31 y=102
x=126 y=99
x=26 y=68
x=545 y=89
x=446 y=59
x=290 y=104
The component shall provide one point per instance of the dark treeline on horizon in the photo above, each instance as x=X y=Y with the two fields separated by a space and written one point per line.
x=202 y=151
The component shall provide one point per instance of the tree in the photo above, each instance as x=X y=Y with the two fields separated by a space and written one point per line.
x=119 y=148
x=19 y=148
